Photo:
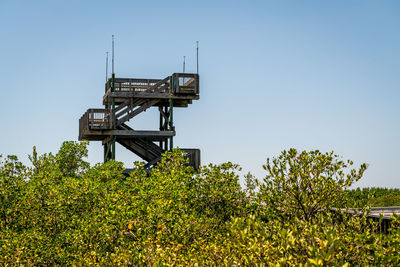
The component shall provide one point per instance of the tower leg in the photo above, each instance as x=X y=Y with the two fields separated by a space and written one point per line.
x=109 y=150
x=171 y=123
x=166 y=124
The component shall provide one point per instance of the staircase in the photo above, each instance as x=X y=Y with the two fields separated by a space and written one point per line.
x=144 y=148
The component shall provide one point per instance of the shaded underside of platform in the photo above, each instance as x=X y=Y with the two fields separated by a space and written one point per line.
x=99 y=135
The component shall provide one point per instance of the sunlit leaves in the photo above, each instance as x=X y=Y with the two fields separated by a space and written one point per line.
x=62 y=212
x=301 y=184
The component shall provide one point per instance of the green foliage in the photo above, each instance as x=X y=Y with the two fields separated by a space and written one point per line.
x=69 y=158
x=110 y=170
x=68 y=162
x=299 y=185
x=374 y=196
x=12 y=174
x=61 y=212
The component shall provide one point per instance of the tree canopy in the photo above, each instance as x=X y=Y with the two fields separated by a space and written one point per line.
x=62 y=211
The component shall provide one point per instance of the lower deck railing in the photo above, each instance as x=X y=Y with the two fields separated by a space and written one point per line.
x=95 y=119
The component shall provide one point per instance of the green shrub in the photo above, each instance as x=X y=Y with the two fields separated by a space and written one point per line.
x=300 y=185
x=61 y=212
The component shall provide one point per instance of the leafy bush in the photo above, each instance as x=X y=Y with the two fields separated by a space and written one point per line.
x=61 y=212
x=300 y=185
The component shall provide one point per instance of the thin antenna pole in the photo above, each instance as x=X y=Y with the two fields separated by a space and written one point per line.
x=106 y=66
x=184 y=59
x=113 y=53
x=197 y=56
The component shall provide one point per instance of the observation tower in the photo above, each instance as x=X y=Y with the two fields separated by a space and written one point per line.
x=126 y=98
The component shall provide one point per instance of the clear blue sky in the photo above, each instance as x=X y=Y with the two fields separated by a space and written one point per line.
x=274 y=75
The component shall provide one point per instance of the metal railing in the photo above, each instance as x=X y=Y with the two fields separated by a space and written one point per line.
x=131 y=85
x=185 y=83
x=95 y=119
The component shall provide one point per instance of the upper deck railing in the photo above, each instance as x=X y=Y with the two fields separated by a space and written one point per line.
x=182 y=83
x=185 y=83
x=131 y=85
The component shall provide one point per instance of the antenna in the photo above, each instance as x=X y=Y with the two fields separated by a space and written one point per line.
x=106 y=66
x=197 y=56
x=184 y=59
x=113 y=53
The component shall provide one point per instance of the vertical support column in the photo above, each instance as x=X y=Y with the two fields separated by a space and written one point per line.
x=161 y=124
x=113 y=148
x=171 y=123
x=172 y=84
x=105 y=156
x=112 y=114
x=165 y=124
x=109 y=147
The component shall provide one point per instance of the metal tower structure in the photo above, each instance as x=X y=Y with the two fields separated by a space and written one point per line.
x=124 y=99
